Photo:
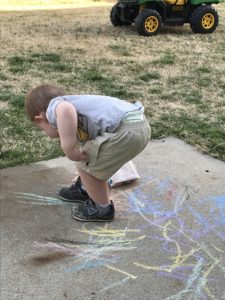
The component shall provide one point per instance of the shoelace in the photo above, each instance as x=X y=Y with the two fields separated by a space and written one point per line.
x=90 y=202
x=76 y=184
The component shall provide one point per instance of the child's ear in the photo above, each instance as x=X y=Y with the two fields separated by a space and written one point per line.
x=39 y=118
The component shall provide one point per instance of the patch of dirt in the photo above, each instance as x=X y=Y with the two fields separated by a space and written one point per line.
x=3 y=104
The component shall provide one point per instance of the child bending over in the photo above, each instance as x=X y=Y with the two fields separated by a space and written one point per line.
x=99 y=133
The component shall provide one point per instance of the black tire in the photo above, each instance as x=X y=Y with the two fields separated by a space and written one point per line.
x=148 y=22
x=204 y=19
x=115 y=17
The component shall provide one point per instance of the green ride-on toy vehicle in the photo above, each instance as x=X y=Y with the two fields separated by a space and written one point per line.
x=150 y=15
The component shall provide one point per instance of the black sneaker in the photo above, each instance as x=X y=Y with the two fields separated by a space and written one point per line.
x=74 y=193
x=90 y=212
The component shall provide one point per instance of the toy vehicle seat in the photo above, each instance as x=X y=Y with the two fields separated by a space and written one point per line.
x=175 y=2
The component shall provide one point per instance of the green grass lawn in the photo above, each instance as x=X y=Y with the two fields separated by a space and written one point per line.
x=179 y=76
x=16 y=4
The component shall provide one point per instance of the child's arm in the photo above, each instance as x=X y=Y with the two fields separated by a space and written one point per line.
x=67 y=127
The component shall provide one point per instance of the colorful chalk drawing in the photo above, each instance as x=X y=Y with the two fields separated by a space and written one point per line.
x=183 y=229
x=35 y=199
x=103 y=248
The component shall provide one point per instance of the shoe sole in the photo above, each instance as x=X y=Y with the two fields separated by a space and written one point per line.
x=91 y=220
x=67 y=200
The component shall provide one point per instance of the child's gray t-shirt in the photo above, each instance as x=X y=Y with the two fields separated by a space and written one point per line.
x=96 y=114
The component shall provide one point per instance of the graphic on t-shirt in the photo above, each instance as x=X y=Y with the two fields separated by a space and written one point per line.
x=82 y=132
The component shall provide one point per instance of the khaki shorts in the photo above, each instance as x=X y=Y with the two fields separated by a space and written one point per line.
x=108 y=152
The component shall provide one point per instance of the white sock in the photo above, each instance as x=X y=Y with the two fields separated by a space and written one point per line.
x=83 y=188
x=103 y=205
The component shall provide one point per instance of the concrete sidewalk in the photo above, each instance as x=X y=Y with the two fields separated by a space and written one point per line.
x=167 y=241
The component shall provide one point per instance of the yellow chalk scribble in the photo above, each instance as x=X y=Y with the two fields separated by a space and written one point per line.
x=121 y=271
x=107 y=232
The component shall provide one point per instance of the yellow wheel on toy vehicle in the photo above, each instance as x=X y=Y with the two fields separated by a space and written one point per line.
x=204 y=19
x=151 y=24
x=208 y=21
x=148 y=22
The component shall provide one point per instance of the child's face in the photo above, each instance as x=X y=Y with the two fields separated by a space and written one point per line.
x=45 y=126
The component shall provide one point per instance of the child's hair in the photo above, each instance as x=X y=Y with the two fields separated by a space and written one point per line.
x=37 y=100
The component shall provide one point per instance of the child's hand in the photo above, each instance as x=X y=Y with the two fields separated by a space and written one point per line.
x=83 y=155
x=75 y=154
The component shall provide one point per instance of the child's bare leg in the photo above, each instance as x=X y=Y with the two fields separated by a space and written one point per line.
x=97 y=189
